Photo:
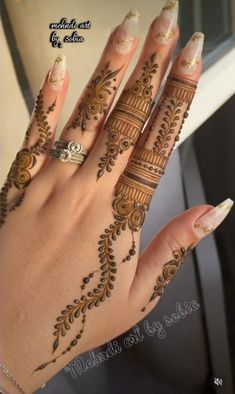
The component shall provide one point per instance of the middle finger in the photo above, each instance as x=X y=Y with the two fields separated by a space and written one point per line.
x=128 y=117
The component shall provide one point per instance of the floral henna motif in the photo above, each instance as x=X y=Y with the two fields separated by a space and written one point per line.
x=19 y=175
x=128 y=117
x=169 y=271
x=133 y=194
x=95 y=100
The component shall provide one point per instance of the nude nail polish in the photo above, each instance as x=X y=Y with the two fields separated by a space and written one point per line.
x=213 y=218
x=126 y=33
x=165 y=25
x=191 y=54
x=57 y=74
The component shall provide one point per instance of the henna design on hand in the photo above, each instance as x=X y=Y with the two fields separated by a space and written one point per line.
x=169 y=271
x=124 y=216
x=19 y=175
x=132 y=198
x=94 y=102
x=126 y=121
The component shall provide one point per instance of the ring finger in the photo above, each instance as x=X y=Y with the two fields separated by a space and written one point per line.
x=92 y=107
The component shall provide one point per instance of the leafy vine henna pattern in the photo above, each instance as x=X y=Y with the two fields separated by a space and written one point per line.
x=95 y=100
x=125 y=215
x=169 y=271
x=126 y=121
x=19 y=175
x=132 y=198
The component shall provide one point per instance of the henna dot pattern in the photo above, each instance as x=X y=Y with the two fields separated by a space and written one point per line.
x=169 y=271
x=19 y=175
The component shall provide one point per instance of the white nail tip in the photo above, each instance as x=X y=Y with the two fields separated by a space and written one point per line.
x=192 y=52
x=57 y=73
x=125 y=34
x=212 y=219
x=134 y=15
x=165 y=25
x=171 y=6
x=226 y=205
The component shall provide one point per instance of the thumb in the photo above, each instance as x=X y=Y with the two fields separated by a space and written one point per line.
x=162 y=258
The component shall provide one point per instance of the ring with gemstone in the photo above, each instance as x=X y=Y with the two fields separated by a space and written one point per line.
x=68 y=152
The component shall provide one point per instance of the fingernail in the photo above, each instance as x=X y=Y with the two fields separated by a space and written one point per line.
x=165 y=26
x=212 y=219
x=191 y=54
x=126 y=33
x=57 y=73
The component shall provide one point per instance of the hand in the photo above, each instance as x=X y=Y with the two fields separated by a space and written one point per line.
x=72 y=277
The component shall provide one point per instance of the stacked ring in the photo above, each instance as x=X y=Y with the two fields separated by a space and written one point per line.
x=68 y=152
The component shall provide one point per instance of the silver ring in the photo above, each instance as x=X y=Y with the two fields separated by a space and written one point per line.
x=68 y=152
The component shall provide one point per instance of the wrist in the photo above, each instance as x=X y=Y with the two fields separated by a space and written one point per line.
x=9 y=385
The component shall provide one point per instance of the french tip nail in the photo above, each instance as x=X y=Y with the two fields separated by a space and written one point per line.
x=126 y=32
x=133 y=14
x=165 y=25
x=57 y=74
x=191 y=53
x=226 y=204
x=171 y=5
x=198 y=40
x=212 y=219
x=130 y=22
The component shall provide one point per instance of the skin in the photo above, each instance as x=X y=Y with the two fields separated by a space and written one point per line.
x=49 y=244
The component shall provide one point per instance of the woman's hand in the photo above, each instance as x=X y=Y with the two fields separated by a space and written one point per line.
x=71 y=274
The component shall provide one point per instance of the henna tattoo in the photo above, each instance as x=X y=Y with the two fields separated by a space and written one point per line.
x=69 y=348
x=132 y=250
x=167 y=129
x=94 y=102
x=169 y=271
x=126 y=121
x=125 y=215
x=19 y=175
x=142 y=174
x=18 y=202
x=132 y=197
x=146 y=166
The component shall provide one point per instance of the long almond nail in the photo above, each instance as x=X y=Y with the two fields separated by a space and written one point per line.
x=125 y=34
x=212 y=219
x=57 y=73
x=165 y=26
x=191 y=54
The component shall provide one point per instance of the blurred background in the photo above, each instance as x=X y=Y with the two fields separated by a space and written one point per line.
x=198 y=353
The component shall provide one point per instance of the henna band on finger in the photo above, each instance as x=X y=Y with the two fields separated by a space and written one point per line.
x=141 y=177
x=126 y=121
x=146 y=166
